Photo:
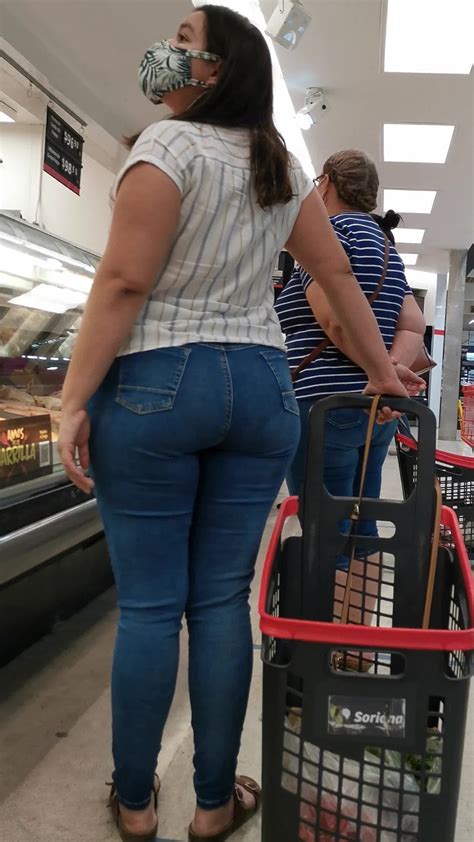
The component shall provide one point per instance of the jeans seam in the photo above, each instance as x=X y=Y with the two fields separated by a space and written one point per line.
x=229 y=393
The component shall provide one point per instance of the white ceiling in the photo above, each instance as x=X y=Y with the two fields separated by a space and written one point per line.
x=342 y=52
x=90 y=50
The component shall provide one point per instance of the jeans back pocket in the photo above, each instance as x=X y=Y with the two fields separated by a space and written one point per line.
x=149 y=381
x=277 y=362
x=345 y=419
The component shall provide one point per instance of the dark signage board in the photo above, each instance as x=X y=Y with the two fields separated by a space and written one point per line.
x=63 y=152
x=26 y=450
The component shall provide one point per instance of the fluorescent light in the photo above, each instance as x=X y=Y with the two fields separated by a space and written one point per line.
x=408 y=259
x=409 y=201
x=416 y=142
x=5 y=118
x=429 y=36
x=421 y=280
x=409 y=235
x=284 y=110
x=50 y=299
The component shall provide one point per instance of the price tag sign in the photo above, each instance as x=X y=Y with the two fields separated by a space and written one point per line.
x=25 y=449
x=63 y=152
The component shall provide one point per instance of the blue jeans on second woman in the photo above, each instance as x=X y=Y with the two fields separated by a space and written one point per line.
x=344 y=442
x=189 y=449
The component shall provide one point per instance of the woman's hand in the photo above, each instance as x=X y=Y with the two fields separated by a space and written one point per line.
x=414 y=384
x=391 y=386
x=74 y=433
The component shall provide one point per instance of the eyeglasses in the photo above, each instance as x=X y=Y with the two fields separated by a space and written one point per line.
x=318 y=180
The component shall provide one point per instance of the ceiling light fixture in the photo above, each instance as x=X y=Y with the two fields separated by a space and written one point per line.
x=409 y=235
x=421 y=280
x=424 y=36
x=409 y=201
x=408 y=259
x=314 y=105
x=416 y=143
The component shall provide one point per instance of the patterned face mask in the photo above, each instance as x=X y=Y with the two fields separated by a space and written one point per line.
x=166 y=68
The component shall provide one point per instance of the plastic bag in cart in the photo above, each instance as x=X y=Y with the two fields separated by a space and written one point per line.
x=337 y=815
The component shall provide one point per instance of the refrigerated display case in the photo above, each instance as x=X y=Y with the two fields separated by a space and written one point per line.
x=53 y=557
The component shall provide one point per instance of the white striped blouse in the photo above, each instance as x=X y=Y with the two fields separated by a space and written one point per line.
x=216 y=285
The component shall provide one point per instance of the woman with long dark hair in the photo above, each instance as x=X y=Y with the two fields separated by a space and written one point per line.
x=179 y=396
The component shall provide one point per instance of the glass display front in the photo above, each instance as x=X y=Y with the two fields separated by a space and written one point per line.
x=44 y=284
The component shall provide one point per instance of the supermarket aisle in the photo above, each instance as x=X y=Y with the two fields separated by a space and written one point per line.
x=54 y=738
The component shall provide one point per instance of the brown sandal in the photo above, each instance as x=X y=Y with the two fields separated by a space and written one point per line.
x=125 y=835
x=241 y=813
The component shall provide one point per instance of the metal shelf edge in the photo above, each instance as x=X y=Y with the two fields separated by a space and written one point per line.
x=31 y=546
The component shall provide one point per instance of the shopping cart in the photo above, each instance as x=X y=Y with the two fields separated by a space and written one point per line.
x=456 y=477
x=467 y=416
x=370 y=756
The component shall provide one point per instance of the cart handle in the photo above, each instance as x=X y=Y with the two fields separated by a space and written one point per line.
x=366 y=636
x=440 y=455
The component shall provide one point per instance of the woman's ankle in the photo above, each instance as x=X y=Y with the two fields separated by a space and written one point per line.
x=212 y=821
x=141 y=820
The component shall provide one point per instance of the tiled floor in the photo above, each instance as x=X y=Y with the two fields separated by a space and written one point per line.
x=54 y=737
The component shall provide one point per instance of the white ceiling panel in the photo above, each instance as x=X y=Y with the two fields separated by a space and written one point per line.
x=90 y=49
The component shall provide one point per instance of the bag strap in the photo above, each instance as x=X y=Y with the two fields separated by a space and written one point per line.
x=316 y=352
x=434 y=556
x=355 y=516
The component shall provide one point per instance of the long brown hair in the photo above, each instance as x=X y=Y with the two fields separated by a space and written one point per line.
x=243 y=98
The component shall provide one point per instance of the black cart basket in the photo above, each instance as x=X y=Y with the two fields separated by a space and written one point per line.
x=456 y=477
x=369 y=754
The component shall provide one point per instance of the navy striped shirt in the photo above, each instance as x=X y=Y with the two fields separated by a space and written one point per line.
x=332 y=372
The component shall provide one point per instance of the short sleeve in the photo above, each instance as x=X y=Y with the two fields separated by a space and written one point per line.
x=305 y=278
x=304 y=185
x=168 y=146
x=343 y=238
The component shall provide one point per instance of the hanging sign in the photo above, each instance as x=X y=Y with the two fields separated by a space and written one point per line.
x=63 y=152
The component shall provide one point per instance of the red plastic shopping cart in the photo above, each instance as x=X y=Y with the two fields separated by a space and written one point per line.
x=467 y=416
x=370 y=756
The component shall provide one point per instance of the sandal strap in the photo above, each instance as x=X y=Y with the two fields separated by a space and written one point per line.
x=242 y=814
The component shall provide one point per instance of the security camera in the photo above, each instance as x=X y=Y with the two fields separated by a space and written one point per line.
x=314 y=106
x=288 y=23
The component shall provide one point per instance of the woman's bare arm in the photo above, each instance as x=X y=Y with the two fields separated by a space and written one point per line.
x=409 y=333
x=143 y=229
